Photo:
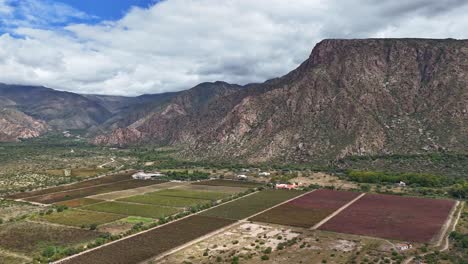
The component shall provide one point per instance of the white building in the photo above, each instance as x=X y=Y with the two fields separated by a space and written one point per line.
x=404 y=246
x=264 y=173
x=146 y=176
x=402 y=184
x=242 y=176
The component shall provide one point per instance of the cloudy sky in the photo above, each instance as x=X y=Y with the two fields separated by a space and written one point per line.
x=131 y=47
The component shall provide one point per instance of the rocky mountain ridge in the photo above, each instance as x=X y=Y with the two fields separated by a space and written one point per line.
x=350 y=97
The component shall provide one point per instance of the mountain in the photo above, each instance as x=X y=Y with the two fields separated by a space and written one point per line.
x=15 y=125
x=350 y=97
x=171 y=118
x=60 y=110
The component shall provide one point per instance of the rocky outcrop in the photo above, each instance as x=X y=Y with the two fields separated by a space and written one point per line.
x=120 y=137
x=15 y=125
x=350 y=97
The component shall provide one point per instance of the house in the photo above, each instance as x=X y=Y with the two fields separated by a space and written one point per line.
x=242 y=176
x=286 y=186
x=146 y=176
x=264 y=174
x=404 y=246
x=401 y=184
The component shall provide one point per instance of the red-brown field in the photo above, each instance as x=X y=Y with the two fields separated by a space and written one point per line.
x=307 y=210
x=83 y=184
x=392 y=217
x=144 y=246
x=324 y=199
x=80 y=193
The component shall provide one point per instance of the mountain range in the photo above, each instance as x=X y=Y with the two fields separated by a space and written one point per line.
x=350 y=97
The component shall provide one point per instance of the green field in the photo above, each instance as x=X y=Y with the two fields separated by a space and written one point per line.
x=251 y=204
x=80 y=218
x=205 y=195
x=143 y=210
x=156 y=199
x=137 y=219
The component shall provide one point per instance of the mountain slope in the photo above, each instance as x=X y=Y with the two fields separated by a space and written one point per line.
x=61 y=110
x=16 y=125
x=169 y=118
x=373 y=96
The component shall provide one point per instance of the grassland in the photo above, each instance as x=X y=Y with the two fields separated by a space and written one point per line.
x=249 y=205
x=131 y=209
x=156 y=199
x=142 y=247
x=229 y=183
x=79 y=172
x=79 y=202
x=79 y=218
x=31 y=238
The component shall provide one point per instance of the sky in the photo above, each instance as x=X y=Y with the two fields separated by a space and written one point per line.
x=133 y=47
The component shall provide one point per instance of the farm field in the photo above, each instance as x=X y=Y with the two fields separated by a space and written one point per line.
x=144 y=246
x=156 y=199
x=79 y=218
x=393 y=217
x=79 y=202
x=83 y=184
x=80 y=193
x=213 y=188
x=137 y=191
x=132 y=209
x=249 y=242
x=251 y=204
x=31 y=238
x=229 y=183
x=206 y=195
x=307 y=210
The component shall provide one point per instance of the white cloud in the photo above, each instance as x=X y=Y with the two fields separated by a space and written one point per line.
x=177 y=44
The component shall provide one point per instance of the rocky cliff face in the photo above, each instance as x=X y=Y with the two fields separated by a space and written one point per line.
x=15 y=125
x=373 y=96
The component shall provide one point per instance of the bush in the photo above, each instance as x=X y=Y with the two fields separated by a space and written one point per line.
x=265 y=257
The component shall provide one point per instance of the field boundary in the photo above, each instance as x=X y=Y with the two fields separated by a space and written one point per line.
x=445 y=236
x=294 y=198
x=339 y=210
x=237 y=222
x=145 y=231
x=439 y=238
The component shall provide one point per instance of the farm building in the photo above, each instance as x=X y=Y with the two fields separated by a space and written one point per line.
x=401 y=184
x=146 y=176
x=242 y=176
x=264 y=174
x=404 y=246
x=286 y=186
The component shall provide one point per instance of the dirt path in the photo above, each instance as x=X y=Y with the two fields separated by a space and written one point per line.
x=319 y=224
x=107 y=163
